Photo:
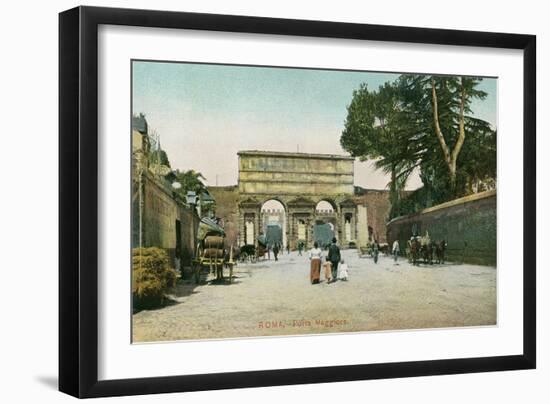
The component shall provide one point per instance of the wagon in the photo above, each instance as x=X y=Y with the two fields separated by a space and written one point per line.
x=251 y=253
x=247 y=253
x=211 y=253
x=261 y=250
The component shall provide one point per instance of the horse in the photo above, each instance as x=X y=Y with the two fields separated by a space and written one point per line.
x=246 y=253
x=414 y=248
x=426 y=248
x=427 y=252
x=440 y=248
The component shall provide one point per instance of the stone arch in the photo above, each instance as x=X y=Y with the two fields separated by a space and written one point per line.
x=326 y=204
x=276 y=198
x=299 y=181
x=275 y=212
x=327 y=213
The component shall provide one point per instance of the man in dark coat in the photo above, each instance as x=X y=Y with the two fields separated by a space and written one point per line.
x=300 y=247
x=334 y=257
x=276 y=251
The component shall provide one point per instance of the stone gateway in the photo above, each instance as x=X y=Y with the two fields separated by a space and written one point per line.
x=314 y=193
x=299 y=181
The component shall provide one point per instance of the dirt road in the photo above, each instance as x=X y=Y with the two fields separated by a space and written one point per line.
x=276 y=298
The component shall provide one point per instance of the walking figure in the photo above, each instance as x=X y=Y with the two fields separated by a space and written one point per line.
x=375 y=249
x=276 y=251
x=334 y=257
x=315 y=257
x=300 y=247
x=395 y=251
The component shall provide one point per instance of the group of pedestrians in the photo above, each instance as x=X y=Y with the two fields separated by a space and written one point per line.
x=335 y=267
x=394 y=251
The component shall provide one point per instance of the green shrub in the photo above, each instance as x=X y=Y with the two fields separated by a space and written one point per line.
x=152 y=276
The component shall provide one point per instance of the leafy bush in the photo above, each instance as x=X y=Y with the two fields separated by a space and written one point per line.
x=152 y=276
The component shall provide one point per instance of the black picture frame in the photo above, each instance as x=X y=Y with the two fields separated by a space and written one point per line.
x=78 y=201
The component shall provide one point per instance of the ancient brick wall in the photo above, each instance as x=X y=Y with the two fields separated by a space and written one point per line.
x=378 y=209
x=469 y=225
x=155 y=212
x=227 y=199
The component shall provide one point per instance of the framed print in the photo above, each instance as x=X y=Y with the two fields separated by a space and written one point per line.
x=250 y=201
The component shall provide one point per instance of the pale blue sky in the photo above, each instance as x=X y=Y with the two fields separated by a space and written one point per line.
x=204 y=114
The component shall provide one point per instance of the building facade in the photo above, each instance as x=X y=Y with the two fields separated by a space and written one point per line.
x=159 y=217
x=311 y=190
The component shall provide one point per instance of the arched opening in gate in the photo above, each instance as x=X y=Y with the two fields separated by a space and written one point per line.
x=324 y=208
x=323 y=233
x=324 y=229
x=273 y=222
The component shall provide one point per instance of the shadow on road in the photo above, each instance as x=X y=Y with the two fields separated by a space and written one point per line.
x=184 y=288
x=224 y=281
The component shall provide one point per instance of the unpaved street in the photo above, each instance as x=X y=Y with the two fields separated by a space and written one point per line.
x=276 y=298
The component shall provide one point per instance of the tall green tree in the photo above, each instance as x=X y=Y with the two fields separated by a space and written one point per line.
x=426 y=122
x=440 y=108
x=375 y=130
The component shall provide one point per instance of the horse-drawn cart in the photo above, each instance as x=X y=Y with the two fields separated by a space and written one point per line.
x=211 y=253
x=250 y=253
x=423 y=248
x=262 y=248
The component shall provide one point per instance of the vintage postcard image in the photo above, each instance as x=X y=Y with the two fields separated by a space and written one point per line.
x=278 y=201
